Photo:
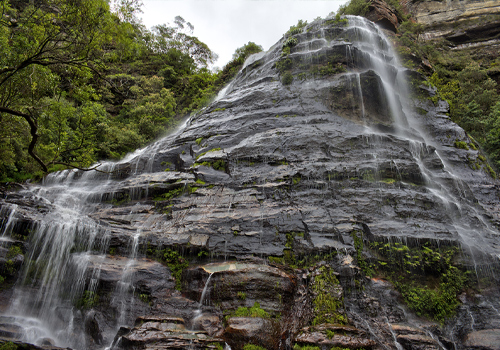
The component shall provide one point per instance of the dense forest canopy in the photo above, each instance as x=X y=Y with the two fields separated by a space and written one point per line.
x=82 y=81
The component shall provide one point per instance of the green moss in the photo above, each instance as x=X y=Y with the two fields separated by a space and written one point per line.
x=425 y=277
x=14 y=251
x=242 y=295
x=253 y=347
x=144 y=298
x=490 y=171
x=362 y=263
x=330 y=334
x=121 y=199
x=199 y=181
x=176 y=192
x=176 y=263
x=217 y=165
x=212 y=150
x=305 y=347
x=254 y=311
x=8 y=346
x=88 y=300
x=461 y=145
x=326 y=304
x=217 y=346
x=199 y=141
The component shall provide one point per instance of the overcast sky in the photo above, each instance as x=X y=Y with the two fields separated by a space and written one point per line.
x=225 y=25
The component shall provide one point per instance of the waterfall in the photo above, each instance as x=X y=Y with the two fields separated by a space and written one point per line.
x=275 y=190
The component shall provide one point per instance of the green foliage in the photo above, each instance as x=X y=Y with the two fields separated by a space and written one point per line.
x=246 y=50
x=287 y=78
x=254 y=311
x=144 y=298
x=425 y=276
x=112 y=87
x=290 y=42
x=283 y=65
x=8 y=346
x=354 y=7
x=88 y=300
x=242 y=295
x=176 y=263
x=297 y=29
x=473 y=97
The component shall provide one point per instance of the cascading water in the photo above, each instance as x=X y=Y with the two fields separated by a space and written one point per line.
x=67 y=249
x=291 y=187
x=377 y=51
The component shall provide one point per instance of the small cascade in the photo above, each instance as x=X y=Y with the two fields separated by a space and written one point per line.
x=123 y=298
x=394 y=337
x=202 y=298
x=9 y=212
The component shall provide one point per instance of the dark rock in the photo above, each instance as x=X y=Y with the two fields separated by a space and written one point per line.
x=235 y=284
x=92 y=328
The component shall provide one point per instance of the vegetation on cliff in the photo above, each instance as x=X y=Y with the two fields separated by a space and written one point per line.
x=80 y=82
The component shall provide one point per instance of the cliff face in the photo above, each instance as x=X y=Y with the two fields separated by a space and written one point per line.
x=317 y=168
x=460 y=22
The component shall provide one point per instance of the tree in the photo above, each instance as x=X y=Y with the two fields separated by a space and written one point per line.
x=247 y=50
x=47 y=45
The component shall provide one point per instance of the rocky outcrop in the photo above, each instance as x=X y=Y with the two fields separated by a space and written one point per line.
x=486 y=339
x=384 y=15
x=463 y=23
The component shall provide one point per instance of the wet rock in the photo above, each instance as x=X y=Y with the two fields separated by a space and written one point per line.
x=164 y=332
x=488 y=339
x=212 y=324
x=332 y=335
x=254 y=330
x=417 y=342
x=236 y=284
x=92 y=328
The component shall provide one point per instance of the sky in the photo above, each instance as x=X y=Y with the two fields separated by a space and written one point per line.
x=225 y=25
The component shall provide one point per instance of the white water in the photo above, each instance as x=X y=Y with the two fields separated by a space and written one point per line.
x=67 y=250
x=67 y=239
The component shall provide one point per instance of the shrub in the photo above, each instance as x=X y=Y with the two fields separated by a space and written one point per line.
x=354 y=7
x=287 y=78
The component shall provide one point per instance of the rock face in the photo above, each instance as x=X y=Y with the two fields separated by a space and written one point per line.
x=256 y=233
x=463 y=23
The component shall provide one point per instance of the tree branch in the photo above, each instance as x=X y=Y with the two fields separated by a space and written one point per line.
x=33 y=132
